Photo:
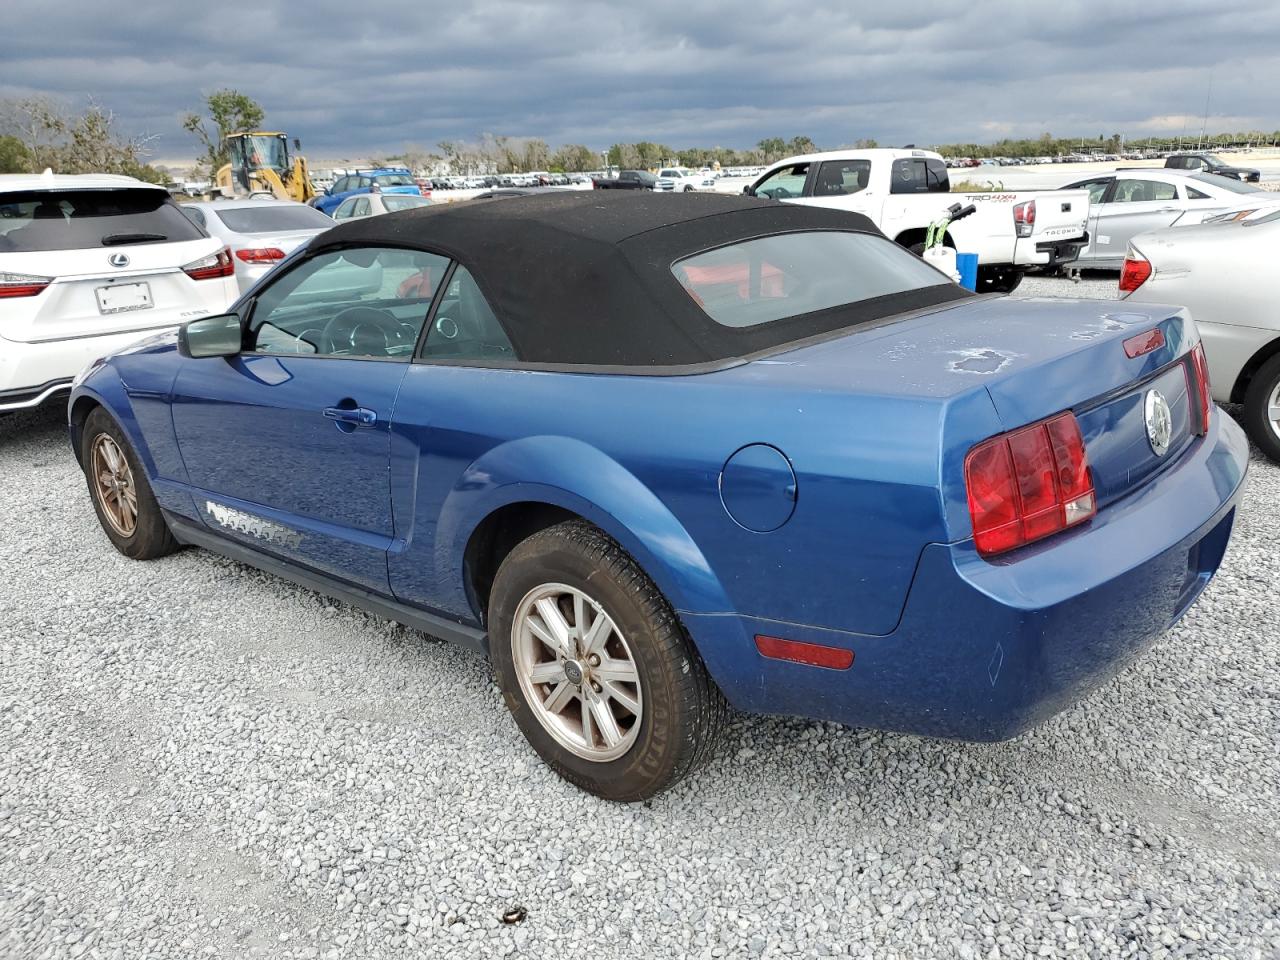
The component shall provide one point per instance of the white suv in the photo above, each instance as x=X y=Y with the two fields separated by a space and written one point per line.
x=88 y=265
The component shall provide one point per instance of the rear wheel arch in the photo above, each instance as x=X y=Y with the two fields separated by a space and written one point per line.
x=1243 y=379
x=495 y=537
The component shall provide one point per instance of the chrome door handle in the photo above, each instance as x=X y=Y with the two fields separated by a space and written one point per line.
x=1168 y=210
x=358 y=415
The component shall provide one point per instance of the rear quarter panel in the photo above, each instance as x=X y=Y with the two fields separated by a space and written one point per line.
x=646 y=454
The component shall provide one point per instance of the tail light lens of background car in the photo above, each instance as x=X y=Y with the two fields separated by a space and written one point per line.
x=1135 y=272
x=1024 y=217
x=260 y=255
x=1197 y=371
x=211 y=267
x=22 y=285
x=1028 y=484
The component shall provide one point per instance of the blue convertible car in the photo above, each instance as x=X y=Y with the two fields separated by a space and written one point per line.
x=655 y=454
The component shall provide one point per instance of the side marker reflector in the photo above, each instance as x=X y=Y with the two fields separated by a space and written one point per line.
x=810 y=654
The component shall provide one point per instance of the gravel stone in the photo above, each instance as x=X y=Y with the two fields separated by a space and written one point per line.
x=198 y=759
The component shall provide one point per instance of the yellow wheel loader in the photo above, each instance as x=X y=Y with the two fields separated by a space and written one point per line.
x=261 y=166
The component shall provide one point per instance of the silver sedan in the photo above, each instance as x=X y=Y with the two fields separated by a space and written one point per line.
x=375 y=204
x=260 y=233
x=1126 y=203
x=1225 y=274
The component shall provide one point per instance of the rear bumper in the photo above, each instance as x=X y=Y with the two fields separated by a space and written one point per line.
x=31 y=373
x=986 y=650
x=1058 y=252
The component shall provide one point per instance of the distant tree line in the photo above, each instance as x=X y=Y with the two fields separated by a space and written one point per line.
x=40 y=132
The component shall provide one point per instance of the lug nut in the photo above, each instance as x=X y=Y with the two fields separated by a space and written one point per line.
x=594 y=660
x=595 y=686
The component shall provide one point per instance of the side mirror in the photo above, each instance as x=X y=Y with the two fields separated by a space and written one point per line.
x=219 y=336
x=297 y=144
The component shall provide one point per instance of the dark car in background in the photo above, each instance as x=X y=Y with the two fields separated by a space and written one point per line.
x=626 y=180
x=1212 y=163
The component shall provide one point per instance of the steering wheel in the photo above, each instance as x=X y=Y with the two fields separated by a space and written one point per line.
x=367 y=331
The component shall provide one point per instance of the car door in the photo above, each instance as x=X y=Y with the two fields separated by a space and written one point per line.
x=443 y=424
x=346 y=209
x=842 y=182
x=286 y=445
x=1098 y=188
x=1133 y=206
x=782 y=183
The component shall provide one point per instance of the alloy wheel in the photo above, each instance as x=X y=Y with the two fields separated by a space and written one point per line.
x=577 y=672
x=113 y=484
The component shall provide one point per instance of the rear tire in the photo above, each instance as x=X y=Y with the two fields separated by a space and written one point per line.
x=121 y=495
x=667 y=713
x=1261 y=411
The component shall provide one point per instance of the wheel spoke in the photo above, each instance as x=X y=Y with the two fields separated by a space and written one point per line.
x=604 y=721
x=620 y=670
x=618 y=694
x=560 y=697
x=1273 y=412
x=550 y=672
x=594 y=640
x=556 y=634
x=112 y=456
x=579 y=615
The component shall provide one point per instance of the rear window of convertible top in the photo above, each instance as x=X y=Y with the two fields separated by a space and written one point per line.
x=771 y=278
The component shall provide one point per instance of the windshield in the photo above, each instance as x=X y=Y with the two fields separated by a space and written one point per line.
x=394 y=203
x=395 y=180
x=38 y=220
x=270 y=218
x=1226 y=183
x=772 y=278
x=266 y=152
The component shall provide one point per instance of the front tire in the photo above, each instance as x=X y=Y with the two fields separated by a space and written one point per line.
x=595 y=667
x=1262 y=408
x=121 y=495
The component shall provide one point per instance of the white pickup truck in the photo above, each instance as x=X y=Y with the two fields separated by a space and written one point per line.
x=903 y=191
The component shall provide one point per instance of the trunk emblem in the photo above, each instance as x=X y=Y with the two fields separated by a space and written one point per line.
x=118 y=259
x=1159 y=422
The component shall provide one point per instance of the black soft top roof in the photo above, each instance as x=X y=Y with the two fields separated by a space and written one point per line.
x=584 y=278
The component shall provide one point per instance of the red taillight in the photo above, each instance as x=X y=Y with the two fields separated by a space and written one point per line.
x=1143 y=343
x=215 y=265
x=1135 y=271
x=1024 y=217
x=22 y=284
x=1197 y=371
x=810 y=654
x=260 y=254
x=1028 y=484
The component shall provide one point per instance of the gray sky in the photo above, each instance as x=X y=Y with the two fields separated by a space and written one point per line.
x=352 y=78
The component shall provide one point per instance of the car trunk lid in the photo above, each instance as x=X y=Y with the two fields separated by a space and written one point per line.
x=1034 y=358
x=92 y=294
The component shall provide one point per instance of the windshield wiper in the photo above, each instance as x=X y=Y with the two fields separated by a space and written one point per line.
x=112 y=239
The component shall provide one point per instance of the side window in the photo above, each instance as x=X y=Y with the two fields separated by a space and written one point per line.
x=363 y=183
x=344 y=210
x=919 y=175
x=341 y=185
x=1142 y=191
x=1097 y=188
x=465 y=326
x=364 y=302
x=783 y=183
x=360 y=208
x=842 y=177
x=194 y=214
x=1194 y=194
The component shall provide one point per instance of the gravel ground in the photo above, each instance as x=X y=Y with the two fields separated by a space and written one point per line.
x=197 y=759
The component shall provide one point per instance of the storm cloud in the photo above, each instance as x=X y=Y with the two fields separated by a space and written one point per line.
x=362 y=78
